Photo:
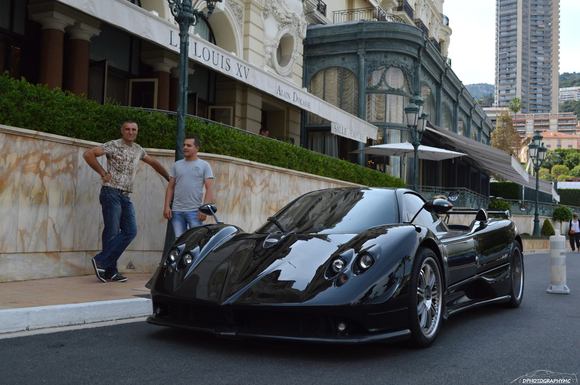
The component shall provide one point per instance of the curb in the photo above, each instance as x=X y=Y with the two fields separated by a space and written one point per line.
x=41 y=317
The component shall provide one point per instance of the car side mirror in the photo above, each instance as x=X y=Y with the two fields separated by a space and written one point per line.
x=437 y=205
x=209 y=209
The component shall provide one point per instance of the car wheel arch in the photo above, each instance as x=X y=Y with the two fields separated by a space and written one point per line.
x=430 y=244
x=518 y=239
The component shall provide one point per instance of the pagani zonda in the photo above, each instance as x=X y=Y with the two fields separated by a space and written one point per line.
x=339 y=265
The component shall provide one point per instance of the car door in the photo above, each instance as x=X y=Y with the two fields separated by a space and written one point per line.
x=460 y=247
x=493 y=246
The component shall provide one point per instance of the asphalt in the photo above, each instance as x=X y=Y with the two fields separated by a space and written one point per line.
x=72 y=301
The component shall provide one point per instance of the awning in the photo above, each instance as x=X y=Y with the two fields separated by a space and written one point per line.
x=143 y=24
x=399 y=149
x=494 y=161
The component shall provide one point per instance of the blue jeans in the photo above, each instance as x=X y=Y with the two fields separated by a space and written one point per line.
x=184 y=220
x=120 y=227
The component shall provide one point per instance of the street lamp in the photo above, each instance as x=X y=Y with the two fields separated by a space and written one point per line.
x=416 y=120
x=537 y=153
x=185 y=15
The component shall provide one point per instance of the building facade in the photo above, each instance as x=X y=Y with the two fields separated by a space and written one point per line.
x=245 y=67
x=569 y=94
x=372 y=67
x=527 y=124
x=527 y=54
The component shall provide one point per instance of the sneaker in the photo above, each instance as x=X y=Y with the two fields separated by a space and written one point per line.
x=98 y=271
x=117 y=277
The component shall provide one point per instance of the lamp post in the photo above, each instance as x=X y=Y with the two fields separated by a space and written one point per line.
x=416 y=120
x=185 y=15
x=537 y=153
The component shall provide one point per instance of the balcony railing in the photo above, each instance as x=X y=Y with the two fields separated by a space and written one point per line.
x=346 y=15
x=371 y=14
x=419 y=23
x=321 y=7
x=471 y=199
x=406 y=7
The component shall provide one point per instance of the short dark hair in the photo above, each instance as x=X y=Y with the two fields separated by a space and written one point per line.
x=127 y=121
x=195 y=139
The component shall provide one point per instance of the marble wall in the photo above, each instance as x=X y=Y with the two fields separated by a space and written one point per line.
x=50 y=216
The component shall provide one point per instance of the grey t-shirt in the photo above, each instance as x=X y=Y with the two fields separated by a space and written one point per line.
x=190 y=176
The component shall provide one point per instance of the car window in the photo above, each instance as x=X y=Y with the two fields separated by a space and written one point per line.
x=413 y=203
x=336 y=211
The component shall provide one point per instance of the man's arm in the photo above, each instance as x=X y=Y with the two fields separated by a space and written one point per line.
x=156 y=166
x=91 y=156
x=168 y=197
x=208 y=197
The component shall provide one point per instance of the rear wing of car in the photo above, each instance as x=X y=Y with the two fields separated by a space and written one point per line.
x=481 y=214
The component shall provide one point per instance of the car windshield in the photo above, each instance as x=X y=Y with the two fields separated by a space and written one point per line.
x=335 y=211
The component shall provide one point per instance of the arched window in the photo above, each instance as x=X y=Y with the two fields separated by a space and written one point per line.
x=339 y=87
x=387 y=95
x=428 y=103
x=447 y=118
x=460 y=127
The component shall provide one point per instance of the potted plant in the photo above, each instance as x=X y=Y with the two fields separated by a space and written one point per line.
x=562 y=214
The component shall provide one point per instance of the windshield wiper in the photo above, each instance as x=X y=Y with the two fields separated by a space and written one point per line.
x=277 y=223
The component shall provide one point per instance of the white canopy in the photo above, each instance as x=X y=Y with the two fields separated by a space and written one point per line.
x=423 y=152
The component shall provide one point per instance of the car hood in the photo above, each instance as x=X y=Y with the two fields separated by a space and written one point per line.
x=271 y=268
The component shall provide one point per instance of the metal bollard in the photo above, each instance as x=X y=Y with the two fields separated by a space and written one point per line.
x=558 y=265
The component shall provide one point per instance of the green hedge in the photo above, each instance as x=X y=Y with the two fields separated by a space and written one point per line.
x=570 y=197
x=39 y=108
x=506 y=190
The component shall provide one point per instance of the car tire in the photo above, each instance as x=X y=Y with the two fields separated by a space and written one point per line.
x=516 y=277
x=426 y=298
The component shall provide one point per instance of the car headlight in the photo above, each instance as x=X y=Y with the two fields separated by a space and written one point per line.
x=337 y=265
x=365 y=261
x=173 y=255
x=187 y=259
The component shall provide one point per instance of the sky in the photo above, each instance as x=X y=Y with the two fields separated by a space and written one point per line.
x=472 y=47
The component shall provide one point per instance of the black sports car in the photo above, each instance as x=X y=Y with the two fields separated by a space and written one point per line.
x=339 y=265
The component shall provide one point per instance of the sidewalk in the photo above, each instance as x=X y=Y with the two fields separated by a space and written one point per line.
x=56 y=302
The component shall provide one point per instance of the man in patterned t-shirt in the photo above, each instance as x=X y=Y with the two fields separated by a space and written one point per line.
x=120 y=229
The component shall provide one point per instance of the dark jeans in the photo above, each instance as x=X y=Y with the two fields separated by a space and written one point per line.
x=120 y=227
x=575 y=239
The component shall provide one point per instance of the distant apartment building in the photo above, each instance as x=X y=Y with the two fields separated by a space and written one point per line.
x=527 y=51
x=569 y=94
x=559 y=130
x=554 y=140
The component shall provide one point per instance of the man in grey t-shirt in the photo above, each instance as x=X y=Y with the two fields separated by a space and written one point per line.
x=187 y=179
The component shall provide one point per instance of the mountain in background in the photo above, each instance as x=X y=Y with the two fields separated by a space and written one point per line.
x=568 y=79
x=482 y=92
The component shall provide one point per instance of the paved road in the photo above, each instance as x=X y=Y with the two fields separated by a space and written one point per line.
x=490 y=345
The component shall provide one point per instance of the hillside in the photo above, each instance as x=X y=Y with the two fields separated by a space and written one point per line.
x=482 y=92
x=568 y=79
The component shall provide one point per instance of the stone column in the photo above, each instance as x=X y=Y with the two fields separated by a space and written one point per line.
x=77 y=78
x=52 y=46
x=162 y=63
x=163 y=75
